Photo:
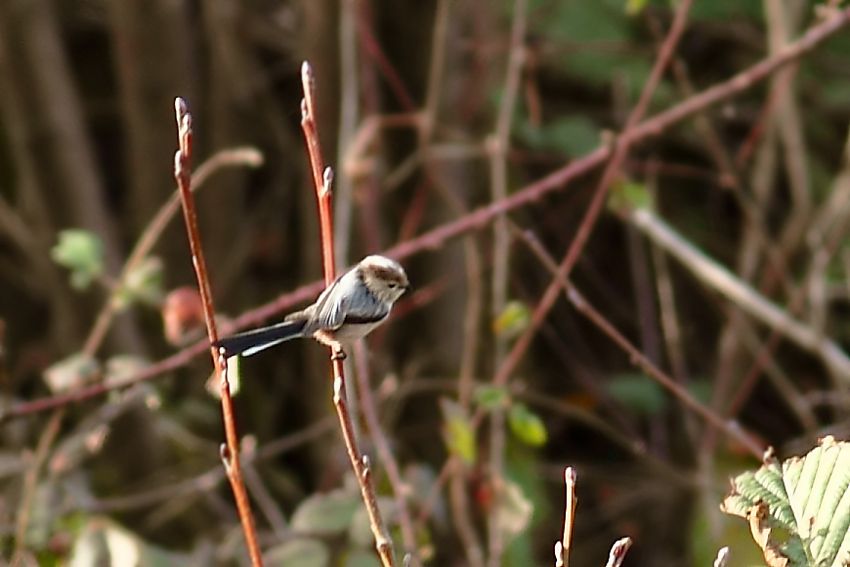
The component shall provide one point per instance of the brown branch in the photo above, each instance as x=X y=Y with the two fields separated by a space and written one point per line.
x=643 y=131
x=247 y=156
x=322 y=178
x=562 y=548
x=498 y=145
x=230 y=450
x=730 y=428
x=610 y=173
x=385 y=453
x=481 y=217
x=30 y=484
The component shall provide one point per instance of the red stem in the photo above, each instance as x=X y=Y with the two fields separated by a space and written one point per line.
x=230 y=451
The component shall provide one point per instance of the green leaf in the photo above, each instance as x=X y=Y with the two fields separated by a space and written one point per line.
x=806 y=498
x=360 y=530
x=513 y=510
x=628 y=196
x=123 y=366
x=635 y=7
x=103 y=542
x=457 y=431
x=513 y=320
x=527 y=426
x=638 y=393
x=143 y=284
x=491 y=397
x=326 y=514
x=572 y=135
x=302 y=552
x=72 y=372
x=82 y=253
x=362 y=558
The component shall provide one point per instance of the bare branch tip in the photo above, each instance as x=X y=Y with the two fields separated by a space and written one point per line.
x=306 y=70
x=569 y=475
x=180 y=108
x=722 y=557
x=618 y=552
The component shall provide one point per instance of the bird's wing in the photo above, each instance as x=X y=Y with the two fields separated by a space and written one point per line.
x=331 y=306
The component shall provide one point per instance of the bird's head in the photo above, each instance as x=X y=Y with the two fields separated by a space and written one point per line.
x=384 y=277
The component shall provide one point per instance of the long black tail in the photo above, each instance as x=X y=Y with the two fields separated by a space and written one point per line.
x=252 y=342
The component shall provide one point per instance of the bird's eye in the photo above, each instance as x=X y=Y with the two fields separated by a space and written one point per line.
x=392 y=285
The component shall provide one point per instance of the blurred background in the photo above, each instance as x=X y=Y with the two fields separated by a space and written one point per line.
x=427 y=110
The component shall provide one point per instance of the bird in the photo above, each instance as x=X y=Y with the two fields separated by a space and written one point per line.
x=349 y=309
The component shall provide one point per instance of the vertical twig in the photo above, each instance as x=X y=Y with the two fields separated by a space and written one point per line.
x=636 y=356
x=322 y=179
x=609 y=174
x=455 y=468
x=385 y=454
x=562 y=548
x=230 y=450
x=498 y=145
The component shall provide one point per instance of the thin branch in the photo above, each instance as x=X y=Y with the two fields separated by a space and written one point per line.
x=637 y=358
x=562 y=548
x=45 y=442
x=233 y=157
x=230 y=450
x=322 y=178
x=385 y=453
x=724 y=282
x=499 y=144
x=610 y=173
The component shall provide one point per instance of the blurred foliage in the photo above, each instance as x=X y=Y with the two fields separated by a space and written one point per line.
x=82 y=253
x=758 y=182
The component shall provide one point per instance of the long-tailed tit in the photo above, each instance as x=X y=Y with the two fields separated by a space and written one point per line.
x=347 y=310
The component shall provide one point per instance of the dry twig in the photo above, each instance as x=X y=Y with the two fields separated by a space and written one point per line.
x=562 y=548
x=230 y=450
x=322 y=179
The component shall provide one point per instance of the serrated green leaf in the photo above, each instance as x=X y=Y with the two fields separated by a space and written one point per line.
x=638 y=393
x=457 y=431
x=326 y=514
x=513 y=320
x=806 y=497
x=302 y=552
x=491 y=397
x=527 y=426
x=82 y=253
